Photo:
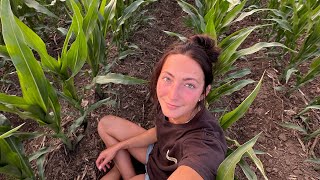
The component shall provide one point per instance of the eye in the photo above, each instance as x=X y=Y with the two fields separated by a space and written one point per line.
x=166 y=79
x=191 y=86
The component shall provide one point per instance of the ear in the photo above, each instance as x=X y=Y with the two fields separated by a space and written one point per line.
x=208 y=88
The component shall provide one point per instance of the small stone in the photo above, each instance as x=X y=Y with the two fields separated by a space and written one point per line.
x=275 y=169
x=283 y=137
x=268 y=169
x=288 y=162
x=297 y=171
x=290 y=112
x=253 y=126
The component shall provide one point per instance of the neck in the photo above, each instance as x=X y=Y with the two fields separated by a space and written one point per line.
x=186 y=118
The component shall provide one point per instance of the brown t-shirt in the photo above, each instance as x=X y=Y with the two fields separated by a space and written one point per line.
x=199 y=144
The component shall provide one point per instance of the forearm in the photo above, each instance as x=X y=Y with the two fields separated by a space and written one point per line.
x=141 y=140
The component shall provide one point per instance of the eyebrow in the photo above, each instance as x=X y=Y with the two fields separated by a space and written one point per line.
x=185 y=79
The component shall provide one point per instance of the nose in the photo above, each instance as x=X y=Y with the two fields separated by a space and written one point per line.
x=174 y=91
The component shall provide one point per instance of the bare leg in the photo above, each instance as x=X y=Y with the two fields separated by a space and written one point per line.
x=113 y=129
x=138 y=177
x=112 y=174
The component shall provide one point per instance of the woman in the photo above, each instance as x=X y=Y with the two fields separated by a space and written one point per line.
x=187 y=141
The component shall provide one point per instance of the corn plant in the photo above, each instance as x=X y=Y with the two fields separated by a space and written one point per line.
x=39 y=100
x=14 y=162
x=213 y=18
x=227 y=168
x=298 y=22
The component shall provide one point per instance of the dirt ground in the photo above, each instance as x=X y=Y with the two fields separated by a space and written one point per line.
x=286 y=150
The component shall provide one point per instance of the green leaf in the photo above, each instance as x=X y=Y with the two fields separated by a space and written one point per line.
x=108 y=13
x=317 y=161
x=118 y=79
x=181 y=37
x=3 y=52
x=312 y=73
x=227 y=89
x=293 y=126
x=82 y=119
x=314 y=134
x=9 y=133
x=226 y=169
x=31 y=76
x=257 y=162
x=229 y=118
x=40 y=153
x=15 y=158
x=211 y=28
x=75 y=57
x=238 y=74
x=128 y=12
x=39 y=8
x=197 y=19
x=90 y=20
x=250 y=174
x=230 y=16
x=36 y=43
x=289 y=73
x=15 y=104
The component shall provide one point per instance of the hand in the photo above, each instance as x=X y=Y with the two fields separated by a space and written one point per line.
x=105 y=157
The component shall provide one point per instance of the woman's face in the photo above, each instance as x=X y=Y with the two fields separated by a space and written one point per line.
x=179 y=88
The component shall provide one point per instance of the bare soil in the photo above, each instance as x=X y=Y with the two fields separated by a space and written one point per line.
x=286 y=150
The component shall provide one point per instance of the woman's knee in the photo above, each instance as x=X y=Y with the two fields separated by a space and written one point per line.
x=106 y=124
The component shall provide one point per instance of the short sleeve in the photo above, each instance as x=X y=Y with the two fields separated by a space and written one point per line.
x=203 y=155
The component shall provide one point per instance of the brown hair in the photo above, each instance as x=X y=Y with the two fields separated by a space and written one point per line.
x=201 y=48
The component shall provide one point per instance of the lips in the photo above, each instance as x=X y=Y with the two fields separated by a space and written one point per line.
x=171 y=106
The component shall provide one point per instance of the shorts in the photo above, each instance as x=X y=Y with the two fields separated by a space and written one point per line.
x=150 y=147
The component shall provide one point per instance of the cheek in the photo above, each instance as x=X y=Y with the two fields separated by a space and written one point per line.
x=160 y=89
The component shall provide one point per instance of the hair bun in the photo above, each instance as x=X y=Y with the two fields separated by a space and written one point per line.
x=208 y=45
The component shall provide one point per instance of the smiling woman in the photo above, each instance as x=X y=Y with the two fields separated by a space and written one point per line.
x=187 y=141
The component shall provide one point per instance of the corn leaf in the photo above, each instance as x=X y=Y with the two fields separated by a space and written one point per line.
x=196 y=18
x=118 y=79
x=227 y=89
x=77 y=123
x=226 y=169
x=229 y=46
x=128 y=12
x=238 y=74
x=250 y=174
x=312 y=73
x=257 y=162
x=314 y=134
x=75 y=57
x=293 y=126
x=14 y=158
x=10 y=170
x=36 y=43
x=181 y=37
x=211 y=29
x=289 y=73
x=39 y=8
x=90 y=20
x=31 y=76
x=109 y=14
x=3 y=52
x=9 y=133
x=15 y=104
x=317 y=161
x=228 y=119
x=231 y=15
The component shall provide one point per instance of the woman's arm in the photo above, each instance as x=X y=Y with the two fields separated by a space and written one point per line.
x=185 y=173
x=141 y=140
